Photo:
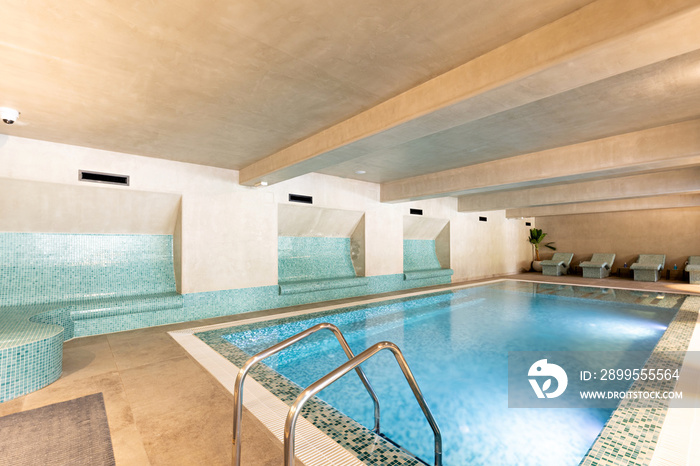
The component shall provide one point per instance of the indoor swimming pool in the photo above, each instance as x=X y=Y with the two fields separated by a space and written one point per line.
x=457 y=345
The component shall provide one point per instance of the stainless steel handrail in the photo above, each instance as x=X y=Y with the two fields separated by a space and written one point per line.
x=331 y=377
x=240 y=378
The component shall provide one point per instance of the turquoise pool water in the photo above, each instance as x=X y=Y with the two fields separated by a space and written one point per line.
x=457 y=345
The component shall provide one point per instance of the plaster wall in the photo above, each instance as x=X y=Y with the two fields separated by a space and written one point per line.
x=225 y=228
x=225 y=235
x=673 y=232
x=29 y=207
x=495 y=247
x=484 y=249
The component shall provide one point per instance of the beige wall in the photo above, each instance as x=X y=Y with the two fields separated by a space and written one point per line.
x=226 y=228
x=674 y=232
x=29 y=206
x=482 y=249
x=225 y=235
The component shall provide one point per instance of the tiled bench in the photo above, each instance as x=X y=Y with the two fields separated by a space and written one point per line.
x=426 y=273
x=31 y=347
x=31 y=337
x=56 y=286
x=307 y=286
x=127 y=313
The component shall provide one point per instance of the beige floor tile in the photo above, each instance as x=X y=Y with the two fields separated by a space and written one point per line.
x=87 y=360
x=137 y=350
x=184 y=417
x=128 y=446
x=12 y=406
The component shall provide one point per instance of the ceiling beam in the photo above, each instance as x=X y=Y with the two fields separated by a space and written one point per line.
x=651 y=184
x=669 y=146
x=673 y=201
x=602 y=39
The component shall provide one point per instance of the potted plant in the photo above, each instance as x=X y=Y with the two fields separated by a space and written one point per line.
x=535 y=238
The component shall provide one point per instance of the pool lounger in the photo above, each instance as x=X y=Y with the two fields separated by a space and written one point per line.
x=558 y=264
x=599 y=266
x=693 y=269
x=647 y=267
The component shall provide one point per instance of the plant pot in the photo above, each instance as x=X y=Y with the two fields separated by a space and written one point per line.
x=537 y=266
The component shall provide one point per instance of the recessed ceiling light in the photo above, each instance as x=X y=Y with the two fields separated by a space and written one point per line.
x=360 y=172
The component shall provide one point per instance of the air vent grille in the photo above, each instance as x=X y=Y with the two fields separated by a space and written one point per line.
x=97 y=177
x=301 y=198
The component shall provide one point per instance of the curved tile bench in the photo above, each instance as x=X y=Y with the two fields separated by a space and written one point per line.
x=31 y=337
x=307 y=286
x=31 y=348
x=426 y=274
x=54 y=286
x=127 y=313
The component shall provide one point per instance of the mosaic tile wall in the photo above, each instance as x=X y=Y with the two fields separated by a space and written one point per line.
x=52 y=268
x=229 y=302
x=313 y=258
x=51 y=285
x=419 y=254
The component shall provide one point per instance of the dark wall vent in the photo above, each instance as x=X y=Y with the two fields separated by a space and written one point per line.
x=528 y=224
x=416 y=211
x=108 y=178
x=482 y=219
x=301 y=198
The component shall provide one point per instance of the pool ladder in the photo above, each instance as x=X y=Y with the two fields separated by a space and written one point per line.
x=353 y=363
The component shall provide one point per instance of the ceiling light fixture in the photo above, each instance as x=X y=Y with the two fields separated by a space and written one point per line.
x=260 y=183
x=360 y=172
x=8 y=115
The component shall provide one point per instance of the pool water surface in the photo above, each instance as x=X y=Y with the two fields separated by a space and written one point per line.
x=457 y=345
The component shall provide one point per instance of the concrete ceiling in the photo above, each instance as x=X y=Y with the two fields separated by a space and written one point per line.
x=482 y=100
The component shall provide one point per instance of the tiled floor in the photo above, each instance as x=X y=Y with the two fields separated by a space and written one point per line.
x=164 y=409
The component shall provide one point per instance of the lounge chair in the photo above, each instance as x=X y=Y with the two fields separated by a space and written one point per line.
x=647 y=267
x=693 y=269
x=558 y=264
x=599 y=266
